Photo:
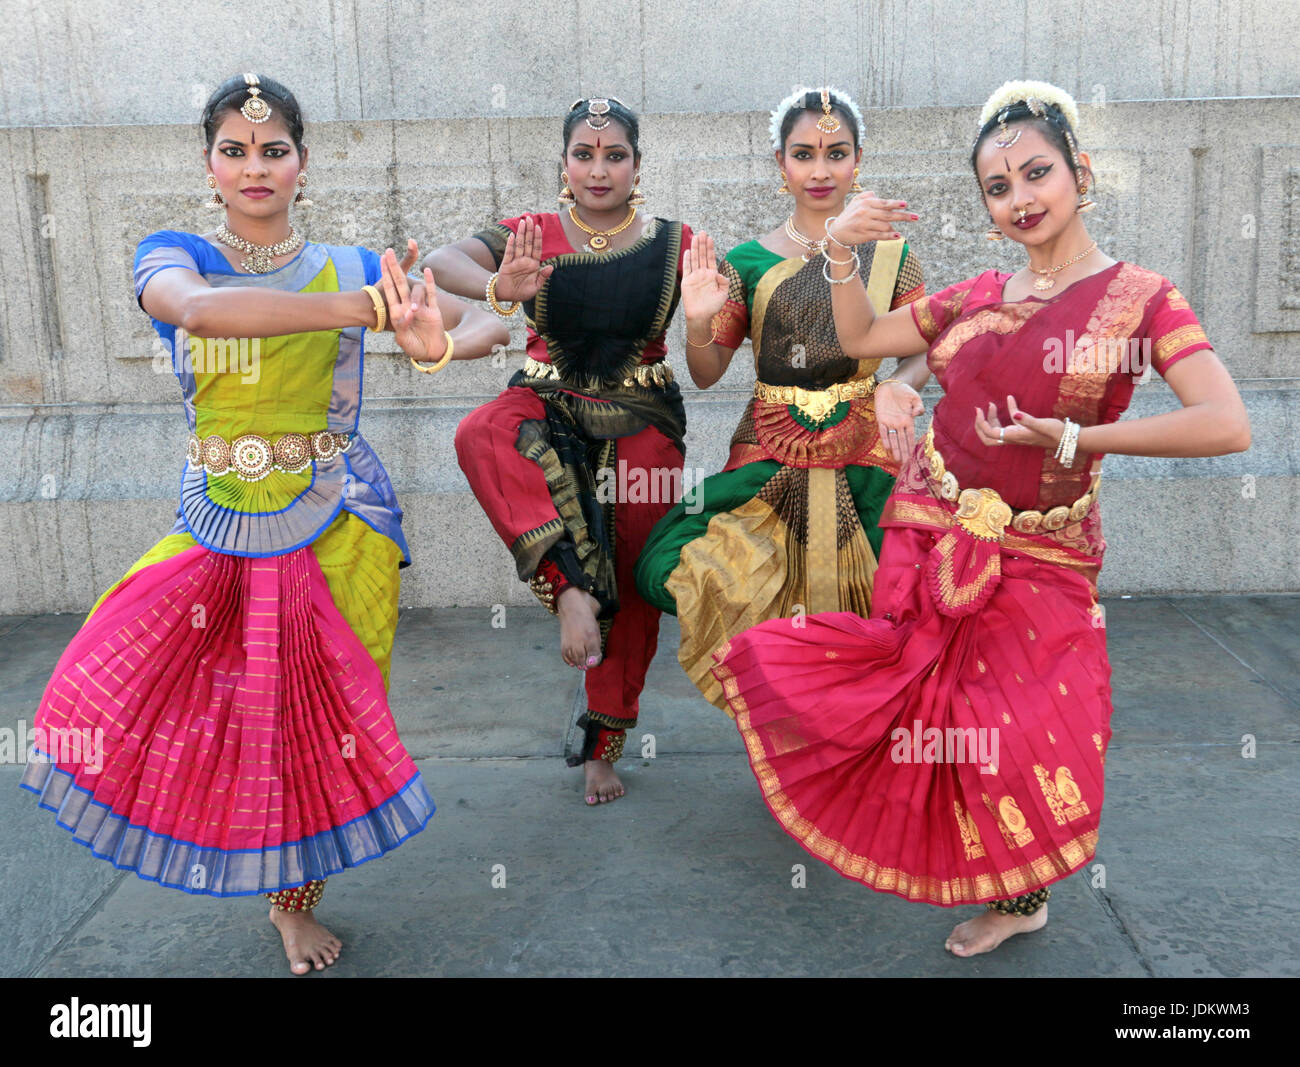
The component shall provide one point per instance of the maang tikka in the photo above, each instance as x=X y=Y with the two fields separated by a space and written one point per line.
x=255 y=109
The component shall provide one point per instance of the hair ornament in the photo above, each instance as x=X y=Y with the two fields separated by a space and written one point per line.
x=255 y=109
x=1037 y=96
x=796 y=101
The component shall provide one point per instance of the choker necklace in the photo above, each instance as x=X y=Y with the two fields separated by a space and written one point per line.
x=260 y=257
x=600 y=238
x=810 y=246
x=1045 y=280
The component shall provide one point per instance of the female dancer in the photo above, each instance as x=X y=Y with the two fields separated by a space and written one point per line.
x=790 y=525
x=950 y=748
x=582 y=453
x=237 y=675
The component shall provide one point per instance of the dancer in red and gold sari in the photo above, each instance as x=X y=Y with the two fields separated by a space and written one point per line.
x=950 y=748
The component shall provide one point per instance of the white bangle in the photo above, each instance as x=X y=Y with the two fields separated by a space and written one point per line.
x=827 y=227
x=1066 y=445
x=826 y=261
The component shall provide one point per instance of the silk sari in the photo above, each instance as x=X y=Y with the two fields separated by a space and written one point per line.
x=950 y=748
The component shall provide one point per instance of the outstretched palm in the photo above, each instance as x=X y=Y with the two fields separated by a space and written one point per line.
x=704 y=287
x=522 y=275
x=416 y=319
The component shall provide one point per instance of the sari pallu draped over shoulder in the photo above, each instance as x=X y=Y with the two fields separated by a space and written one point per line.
x=950 y=748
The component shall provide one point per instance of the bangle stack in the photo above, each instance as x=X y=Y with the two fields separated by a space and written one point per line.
x=1065 y=446
x=857 y=266
x=381 y=309
x=446 y=357
x=506 y=312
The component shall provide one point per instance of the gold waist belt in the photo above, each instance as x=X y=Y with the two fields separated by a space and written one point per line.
x=252 y=457
x=815 y=404
x=986 y=515
x=644 y=374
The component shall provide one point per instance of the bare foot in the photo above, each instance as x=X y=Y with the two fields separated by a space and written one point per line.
x=306 y=942
x=603 y=785
x=579 y=631
x=987 y=931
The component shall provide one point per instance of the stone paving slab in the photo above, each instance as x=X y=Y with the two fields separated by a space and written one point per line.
x=689 y=875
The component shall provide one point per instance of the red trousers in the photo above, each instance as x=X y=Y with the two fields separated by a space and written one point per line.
x=514 y=494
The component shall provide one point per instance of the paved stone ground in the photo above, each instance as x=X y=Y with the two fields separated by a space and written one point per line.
x=689 y=875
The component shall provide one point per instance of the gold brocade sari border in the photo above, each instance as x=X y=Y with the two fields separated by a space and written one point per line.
x=886 y=258
x=1055 y=864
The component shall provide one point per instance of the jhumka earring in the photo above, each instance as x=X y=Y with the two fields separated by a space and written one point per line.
x=855 y=187
x=566 y=194
x=216 y=200
x=301 y=199
x=638 y=197
x=994 y=234
x=1085 y=202
x=784 y=187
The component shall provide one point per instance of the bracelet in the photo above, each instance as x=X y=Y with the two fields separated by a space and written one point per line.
x=713 y=338
x=827 y=227
x=1065 y=446
x=505 y=313
x=896 y=381
x=381 y=309
x=446 y=357
x=840 y=281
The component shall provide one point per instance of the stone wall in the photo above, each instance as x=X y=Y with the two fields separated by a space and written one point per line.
x=1205 y=191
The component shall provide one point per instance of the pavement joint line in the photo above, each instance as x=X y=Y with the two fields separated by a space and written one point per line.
x=75 y=929
x=1104 y=900
x=22 y=620
x=1215 y=638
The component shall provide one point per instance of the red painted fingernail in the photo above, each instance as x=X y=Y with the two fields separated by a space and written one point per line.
x=1017 y=415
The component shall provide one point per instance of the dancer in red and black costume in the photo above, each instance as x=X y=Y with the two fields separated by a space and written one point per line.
x=564 y=459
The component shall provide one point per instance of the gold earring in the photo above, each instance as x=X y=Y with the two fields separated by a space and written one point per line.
x=994 y=234
x=301 y=199
x=784 y=187
x=637 y=198
x=1084 y=204
x=216 y=200
x=855 y=187
x=566 y=194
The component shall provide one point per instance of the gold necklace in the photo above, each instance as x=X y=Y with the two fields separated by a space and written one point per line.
x=600 y=238
x=1045 y=280
x=810 y=246
x=260 y=257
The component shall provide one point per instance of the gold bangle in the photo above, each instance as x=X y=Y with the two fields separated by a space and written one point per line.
x=505 y=313
x=896 y=381
x=713 y=340
x=446 y=357
x=381 y=309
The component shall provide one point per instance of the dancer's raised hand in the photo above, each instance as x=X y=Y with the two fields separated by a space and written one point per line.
x=868 y=218
x=521 y=275
x=415 y=317
x=704 y=287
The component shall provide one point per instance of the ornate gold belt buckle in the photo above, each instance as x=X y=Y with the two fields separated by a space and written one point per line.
x=817 y=405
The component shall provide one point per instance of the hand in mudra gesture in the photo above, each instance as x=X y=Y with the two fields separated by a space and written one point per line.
x=1025 y=429
x=704 y=287
x=868 y=218
x=415 y=316
x=521 y=274
x=897 y=407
